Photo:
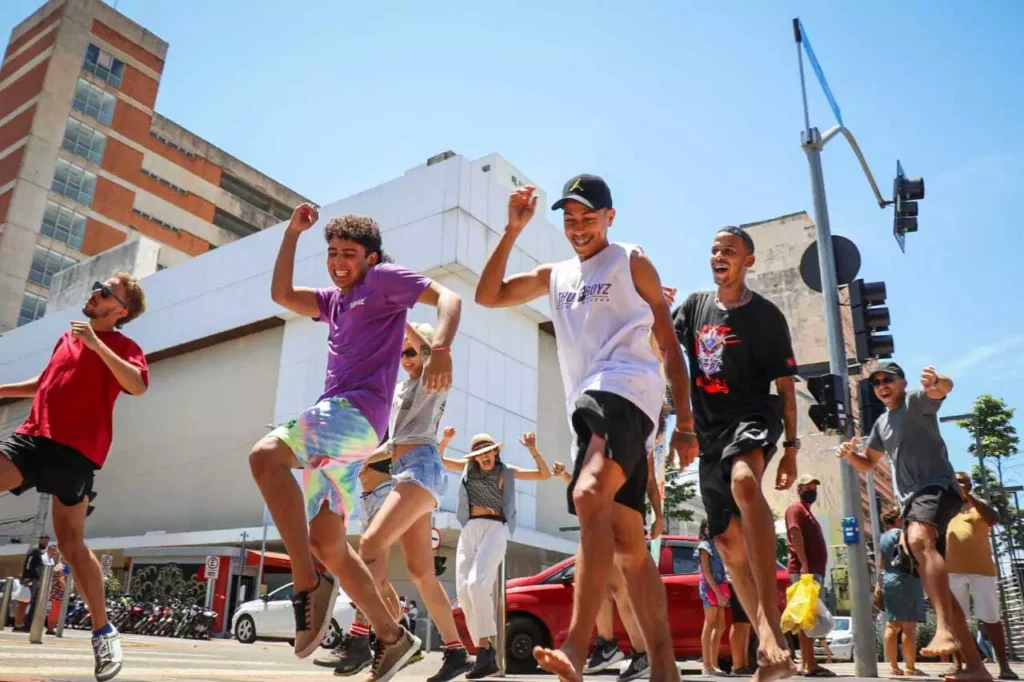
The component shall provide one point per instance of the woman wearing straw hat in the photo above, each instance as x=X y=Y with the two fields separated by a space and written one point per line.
x=487 y=512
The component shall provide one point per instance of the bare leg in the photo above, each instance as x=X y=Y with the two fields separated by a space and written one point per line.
x=892 y=634
x=716 y=643
x=646 y=592
x=20 y=611
x=807 y=661
x=606 y=620
x=599 y=480
x=69 y=526
x=271 y=462
x=327 y=540
x=758 y=535
x=910 y=647
x=998 y=637
x=708 y=649
x=627 y=614
x=739 y=643
x=419 y=559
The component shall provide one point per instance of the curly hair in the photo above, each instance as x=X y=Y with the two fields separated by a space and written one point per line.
x=359 y=229
x=890 y=514
x=135 y=297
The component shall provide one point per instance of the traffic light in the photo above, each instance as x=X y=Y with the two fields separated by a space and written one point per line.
x=871 y=408
x=906 y=192
x=829 y=414
x=867 y=304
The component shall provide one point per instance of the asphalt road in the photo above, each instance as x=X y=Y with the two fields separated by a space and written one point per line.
x=156 y=659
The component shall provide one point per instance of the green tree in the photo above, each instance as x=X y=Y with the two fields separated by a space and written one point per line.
x=677 y=493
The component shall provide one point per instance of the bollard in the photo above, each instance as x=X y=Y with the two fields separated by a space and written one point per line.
x=39 y=606
x=5 y=602
x=500 y=645
x=69 y=585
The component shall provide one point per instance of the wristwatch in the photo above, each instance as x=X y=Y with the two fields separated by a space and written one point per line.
x=795 y=443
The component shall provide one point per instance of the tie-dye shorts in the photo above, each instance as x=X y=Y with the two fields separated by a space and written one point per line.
x=331 y=440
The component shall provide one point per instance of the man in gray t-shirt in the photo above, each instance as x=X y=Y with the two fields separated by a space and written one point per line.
x=909 y=434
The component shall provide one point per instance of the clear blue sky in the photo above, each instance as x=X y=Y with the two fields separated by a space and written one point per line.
x=690 y=110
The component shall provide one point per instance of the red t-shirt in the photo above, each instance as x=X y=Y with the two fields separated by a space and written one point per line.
x=798 y=515
x=74 y=404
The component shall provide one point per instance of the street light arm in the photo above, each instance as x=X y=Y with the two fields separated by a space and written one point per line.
x=882 y=203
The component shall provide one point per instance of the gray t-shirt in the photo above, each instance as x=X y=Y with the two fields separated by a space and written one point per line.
x=415 y=414
x=910 y=436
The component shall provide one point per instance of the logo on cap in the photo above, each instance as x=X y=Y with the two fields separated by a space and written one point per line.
x=577 y=186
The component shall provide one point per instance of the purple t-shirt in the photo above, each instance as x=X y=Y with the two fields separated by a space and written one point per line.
x=364 y=344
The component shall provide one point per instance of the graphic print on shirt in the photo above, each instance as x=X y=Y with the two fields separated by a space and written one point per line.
x=599 y=292
x=711 y=342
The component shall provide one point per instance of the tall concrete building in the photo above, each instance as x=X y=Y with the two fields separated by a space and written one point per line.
x=86 y=162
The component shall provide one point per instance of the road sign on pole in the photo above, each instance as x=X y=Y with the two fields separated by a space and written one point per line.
x=212 y=567
x=106 y=562
x=435 y=539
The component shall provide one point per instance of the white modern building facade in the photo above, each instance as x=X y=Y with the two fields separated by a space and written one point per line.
x=225 y=362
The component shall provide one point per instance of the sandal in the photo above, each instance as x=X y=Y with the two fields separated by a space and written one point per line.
x=820 y=672
x=895 y=672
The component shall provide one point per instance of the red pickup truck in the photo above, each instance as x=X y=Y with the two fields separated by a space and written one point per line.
x=538 y=608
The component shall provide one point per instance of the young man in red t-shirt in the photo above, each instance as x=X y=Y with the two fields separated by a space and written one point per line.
x=66 y=436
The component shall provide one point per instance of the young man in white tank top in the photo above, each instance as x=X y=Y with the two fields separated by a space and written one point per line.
x=604 y=304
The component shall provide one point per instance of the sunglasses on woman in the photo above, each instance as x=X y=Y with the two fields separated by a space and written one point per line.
x=410 y=353
x=887 y=379
x=107 y=292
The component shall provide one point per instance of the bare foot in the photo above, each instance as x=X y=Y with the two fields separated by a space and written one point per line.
x=895 y=672
x=943 y=643
x=557 y=662
x=767 y=672
x=970 y=675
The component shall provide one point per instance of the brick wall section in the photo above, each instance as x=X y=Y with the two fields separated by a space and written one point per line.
x=131 y=122
x=17 y=128
x=113 y=201
x=16 y=44
x=10 y=165
x=193 y=203
x=22 y=90
x=196 y=165
x=5 y=201
x=183 y=241
x=122 y=43
x=139 y=86
x=100 y=237
x=122 y=160
x=15 y=63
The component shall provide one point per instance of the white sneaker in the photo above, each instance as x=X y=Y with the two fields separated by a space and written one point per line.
x=109 y=659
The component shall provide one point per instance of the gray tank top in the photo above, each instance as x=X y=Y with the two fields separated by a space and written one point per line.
x=482 y=486
x=415 y=414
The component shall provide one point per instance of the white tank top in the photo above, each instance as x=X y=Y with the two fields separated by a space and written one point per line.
x=602 y=327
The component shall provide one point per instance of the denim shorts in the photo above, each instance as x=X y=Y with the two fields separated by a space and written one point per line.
x=422 y=466
x=372 y=501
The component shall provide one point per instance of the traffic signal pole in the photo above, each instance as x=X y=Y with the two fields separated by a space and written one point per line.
x=865 y=654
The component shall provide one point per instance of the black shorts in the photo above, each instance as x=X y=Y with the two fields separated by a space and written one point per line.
x=936 y=506
x=625 y=428
x=756 y=433
x=738 y=614
x=50 y=467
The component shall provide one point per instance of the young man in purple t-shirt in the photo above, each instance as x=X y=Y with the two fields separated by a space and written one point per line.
x=366 y=314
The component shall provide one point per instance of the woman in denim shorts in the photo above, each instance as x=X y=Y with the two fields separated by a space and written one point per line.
x=419 y=481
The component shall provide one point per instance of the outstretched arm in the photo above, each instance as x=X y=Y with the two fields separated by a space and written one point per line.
x=299 y=300
x=654 y=495
x=437 y=370
x=494 y=290
x=456 y=465
x=542 y=472
x=22 y=389
x=936 y=386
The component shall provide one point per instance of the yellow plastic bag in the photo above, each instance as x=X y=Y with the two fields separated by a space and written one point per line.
x=801 y=605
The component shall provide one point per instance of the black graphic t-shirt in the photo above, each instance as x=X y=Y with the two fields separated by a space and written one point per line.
x=734 y=356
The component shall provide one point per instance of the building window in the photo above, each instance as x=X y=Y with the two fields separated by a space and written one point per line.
x=165 y=183
x=172 y=145
x=103 y=65
x=233 y=224
x=74 y=182
x=486 y=168
x=92 y=101
x=82 y=140
x=63 y=225
x=46 y=264
x=154 y=219
x=33 y=306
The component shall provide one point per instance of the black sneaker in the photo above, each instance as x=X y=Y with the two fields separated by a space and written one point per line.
x=638 y=667
x=486 y=664
x=606 y=654
x=351 y=656
x=456 y=662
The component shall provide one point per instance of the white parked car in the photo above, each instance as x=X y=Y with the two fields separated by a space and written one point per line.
x=840 y=641
x=272 y=617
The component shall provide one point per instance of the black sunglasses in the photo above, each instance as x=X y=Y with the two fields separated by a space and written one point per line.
x=410 y=353
x=107 y=292
x=887 y=379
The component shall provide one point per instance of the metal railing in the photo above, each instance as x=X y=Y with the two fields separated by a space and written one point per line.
x=69 y=586
x=500 y=644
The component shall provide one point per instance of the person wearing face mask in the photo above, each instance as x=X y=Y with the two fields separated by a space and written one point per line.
x=808 y=554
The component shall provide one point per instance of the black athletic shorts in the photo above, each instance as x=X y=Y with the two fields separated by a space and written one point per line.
x=936 y=506
x=756 y=433
x=738 y=614
x=625 y=428
x=50 y=467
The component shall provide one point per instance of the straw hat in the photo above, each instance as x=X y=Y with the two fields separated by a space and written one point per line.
x=481 y=444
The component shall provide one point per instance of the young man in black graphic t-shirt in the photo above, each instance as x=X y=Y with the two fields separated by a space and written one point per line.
x=737 y=343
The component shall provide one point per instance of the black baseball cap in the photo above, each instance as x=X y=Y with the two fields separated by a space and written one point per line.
x=889 y=367
x=590 y=190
